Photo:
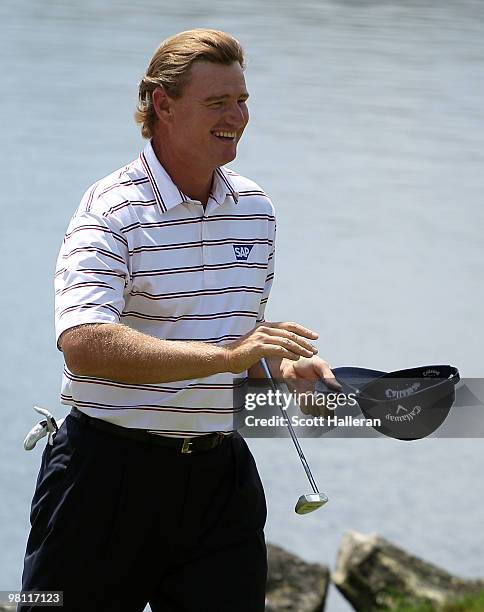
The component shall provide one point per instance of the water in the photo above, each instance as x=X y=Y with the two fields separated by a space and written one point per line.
x=367 y=131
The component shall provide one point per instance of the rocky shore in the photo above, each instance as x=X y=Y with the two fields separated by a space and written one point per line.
x=372 y=574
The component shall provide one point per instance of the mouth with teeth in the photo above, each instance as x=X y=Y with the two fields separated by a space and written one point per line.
x=225 y=135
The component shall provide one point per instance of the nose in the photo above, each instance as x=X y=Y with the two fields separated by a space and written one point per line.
x=237 y=115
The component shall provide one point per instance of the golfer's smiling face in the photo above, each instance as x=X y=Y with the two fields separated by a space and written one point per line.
x=211 y=114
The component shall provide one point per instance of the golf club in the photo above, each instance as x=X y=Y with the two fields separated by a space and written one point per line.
x=312 y=501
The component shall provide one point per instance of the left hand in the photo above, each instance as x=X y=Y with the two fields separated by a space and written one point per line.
x=301 y=376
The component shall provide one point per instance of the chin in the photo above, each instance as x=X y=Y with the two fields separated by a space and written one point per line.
x=228 y=158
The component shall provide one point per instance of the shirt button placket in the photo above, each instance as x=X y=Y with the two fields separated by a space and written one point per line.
x=209 y=275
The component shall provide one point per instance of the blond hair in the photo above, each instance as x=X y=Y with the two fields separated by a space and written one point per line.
x=170 y=66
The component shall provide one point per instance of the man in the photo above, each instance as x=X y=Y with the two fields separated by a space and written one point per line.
x=147 y=493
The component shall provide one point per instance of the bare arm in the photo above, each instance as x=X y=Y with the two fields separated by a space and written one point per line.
x=117 y=352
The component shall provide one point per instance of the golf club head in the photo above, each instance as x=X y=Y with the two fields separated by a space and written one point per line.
x=310 y=503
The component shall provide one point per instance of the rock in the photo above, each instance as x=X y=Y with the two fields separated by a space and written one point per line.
x=373 y=574
x=293 y=584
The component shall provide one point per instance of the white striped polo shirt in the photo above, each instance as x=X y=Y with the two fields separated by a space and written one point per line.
x=139 y=252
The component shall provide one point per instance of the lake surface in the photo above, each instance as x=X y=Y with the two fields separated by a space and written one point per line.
x=367 y=132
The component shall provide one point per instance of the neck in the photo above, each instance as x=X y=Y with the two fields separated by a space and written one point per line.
x=192 y=181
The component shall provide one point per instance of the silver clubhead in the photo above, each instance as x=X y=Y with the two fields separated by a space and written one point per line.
x=310 y=503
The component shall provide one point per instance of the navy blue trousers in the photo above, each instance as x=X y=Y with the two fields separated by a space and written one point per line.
x=117 y=523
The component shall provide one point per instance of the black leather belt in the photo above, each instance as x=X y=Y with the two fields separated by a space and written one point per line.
x=182 y=445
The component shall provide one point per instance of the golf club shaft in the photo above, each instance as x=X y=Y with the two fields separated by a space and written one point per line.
x=272 y=382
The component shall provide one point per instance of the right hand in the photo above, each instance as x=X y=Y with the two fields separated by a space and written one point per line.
x=283 y=340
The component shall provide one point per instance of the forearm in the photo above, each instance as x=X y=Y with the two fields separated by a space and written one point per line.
x=119 y=353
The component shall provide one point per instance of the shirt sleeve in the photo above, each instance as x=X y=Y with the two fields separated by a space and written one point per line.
x=270 y=275
x=92 y=273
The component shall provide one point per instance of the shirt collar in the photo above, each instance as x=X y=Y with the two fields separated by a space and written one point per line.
x=168 y=195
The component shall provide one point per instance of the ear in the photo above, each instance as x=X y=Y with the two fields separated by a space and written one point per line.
x=162 y=104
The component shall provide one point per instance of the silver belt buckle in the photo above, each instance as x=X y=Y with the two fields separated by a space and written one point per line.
x=187 y=442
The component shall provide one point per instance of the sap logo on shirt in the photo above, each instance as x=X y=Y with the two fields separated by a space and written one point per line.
x=242 y=251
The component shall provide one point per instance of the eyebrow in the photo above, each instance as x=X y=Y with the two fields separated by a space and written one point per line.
x=245 y=95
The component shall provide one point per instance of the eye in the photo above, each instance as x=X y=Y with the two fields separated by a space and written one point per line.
x=216 y=104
